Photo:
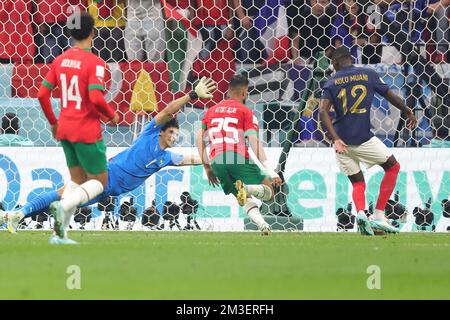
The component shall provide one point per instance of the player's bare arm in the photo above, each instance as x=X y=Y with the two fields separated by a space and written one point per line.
x=203 y=89
x=201 y=147
x=325 y=119
x=191 y=160
x=258 y=149
x=398 y=102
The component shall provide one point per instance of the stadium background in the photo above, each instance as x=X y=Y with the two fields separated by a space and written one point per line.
x=33 y=34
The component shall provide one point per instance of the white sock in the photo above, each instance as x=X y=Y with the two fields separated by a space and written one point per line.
x=82 y=194
x=254 y=214
x=260 y=191
x=378 y=214
x=70 y=187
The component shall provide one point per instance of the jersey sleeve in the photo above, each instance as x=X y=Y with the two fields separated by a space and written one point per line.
x=151 y=127
x=326 y=92
x=96 y=78
x=175 y=159
x=205 y=121
x=379 y=85
x=50 y=78
x=250 y=123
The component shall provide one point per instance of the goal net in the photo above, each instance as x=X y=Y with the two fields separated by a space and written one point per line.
x=157 y=49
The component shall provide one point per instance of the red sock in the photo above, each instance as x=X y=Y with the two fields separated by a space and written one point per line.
x=387 y=186
x=359 y=196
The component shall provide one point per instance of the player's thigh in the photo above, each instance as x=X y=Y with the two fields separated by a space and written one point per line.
x=347 y=164
x=372 y=152
x=78 y=175
x=221 y=172
x=92 y=157
x=70 y=154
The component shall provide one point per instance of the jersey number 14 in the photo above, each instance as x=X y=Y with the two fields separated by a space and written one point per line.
x=71 y=93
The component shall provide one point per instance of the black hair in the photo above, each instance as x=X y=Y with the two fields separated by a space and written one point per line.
x=237 y=81
x=80 y=25
x=10 y=123
x=341 y=53
x=173 y=123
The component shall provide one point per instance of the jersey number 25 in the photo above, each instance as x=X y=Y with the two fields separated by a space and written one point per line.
x=215 y=133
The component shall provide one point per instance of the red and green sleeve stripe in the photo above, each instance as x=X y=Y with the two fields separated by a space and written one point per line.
x=96 y=86
x=48 y=84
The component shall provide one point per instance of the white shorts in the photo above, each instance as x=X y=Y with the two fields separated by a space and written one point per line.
x=372 y=152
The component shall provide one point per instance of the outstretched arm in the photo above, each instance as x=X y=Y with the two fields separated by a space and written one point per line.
x=325 y=119
x=203 y=89
x=398 y=102
x=191 y=160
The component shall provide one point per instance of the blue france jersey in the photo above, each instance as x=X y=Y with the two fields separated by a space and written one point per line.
x=130 y=168
x=351 y=91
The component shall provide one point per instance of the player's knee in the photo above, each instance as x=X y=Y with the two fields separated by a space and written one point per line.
x=102 y=178
x=358 y=177
x=396 y=167
x=269 y=193
x=392 y=167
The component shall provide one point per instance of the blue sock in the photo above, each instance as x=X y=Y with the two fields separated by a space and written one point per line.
x=39 y=204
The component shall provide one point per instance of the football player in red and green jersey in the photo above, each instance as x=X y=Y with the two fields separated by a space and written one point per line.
x=79 y=74
x=228 y=125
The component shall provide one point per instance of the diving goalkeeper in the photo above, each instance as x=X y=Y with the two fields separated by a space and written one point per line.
x=127 y=170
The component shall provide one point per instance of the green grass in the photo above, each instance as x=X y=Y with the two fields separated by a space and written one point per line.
x=189 y=265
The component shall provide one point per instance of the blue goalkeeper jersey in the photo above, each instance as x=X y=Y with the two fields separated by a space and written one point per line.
x=351 y=91
x=130 y=168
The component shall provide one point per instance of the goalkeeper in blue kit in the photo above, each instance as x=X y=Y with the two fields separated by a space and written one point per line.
x=127 y=170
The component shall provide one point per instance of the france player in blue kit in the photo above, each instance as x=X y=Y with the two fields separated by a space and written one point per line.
x=127 y=170
x=351 y=91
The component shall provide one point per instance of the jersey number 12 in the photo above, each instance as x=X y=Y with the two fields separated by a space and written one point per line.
x=359 y=91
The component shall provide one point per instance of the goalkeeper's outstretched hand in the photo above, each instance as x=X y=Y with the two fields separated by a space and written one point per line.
x=205 y=88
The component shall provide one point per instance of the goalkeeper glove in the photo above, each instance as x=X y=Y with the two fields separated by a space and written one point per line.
x=205 y=88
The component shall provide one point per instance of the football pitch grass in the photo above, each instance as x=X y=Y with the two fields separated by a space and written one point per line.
x=245 y=265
